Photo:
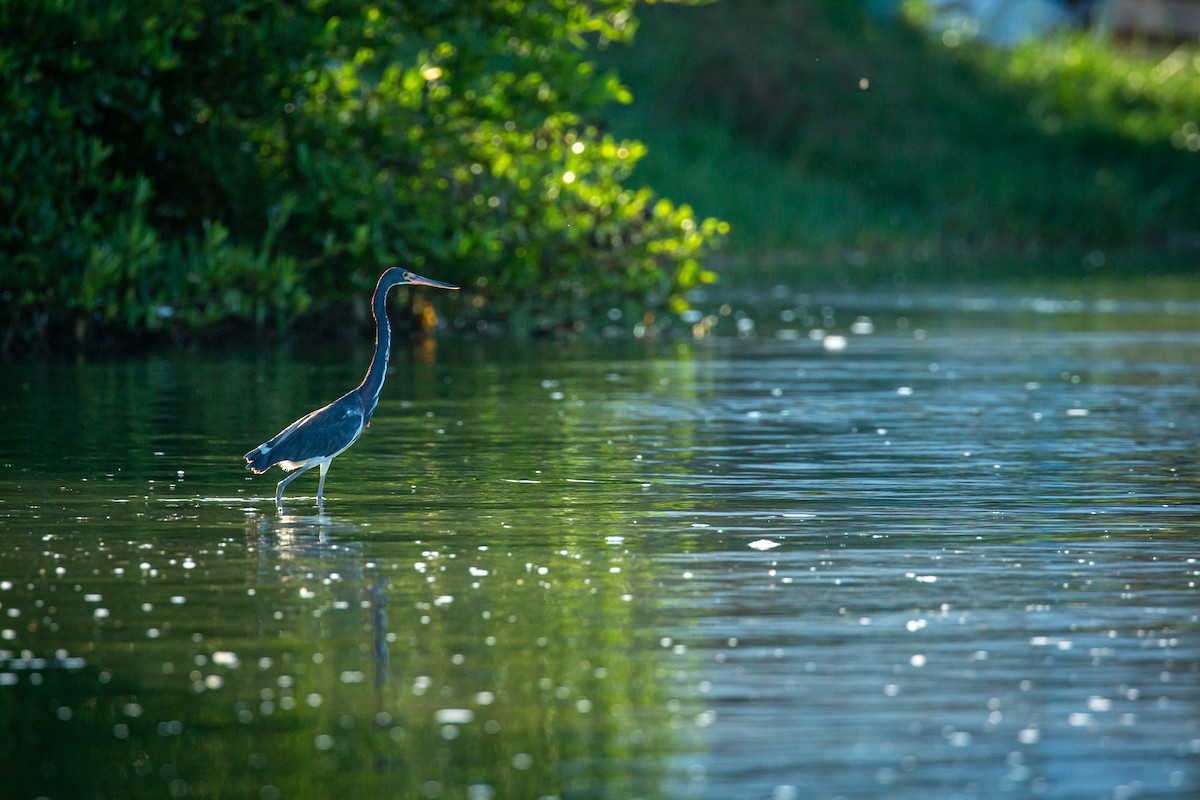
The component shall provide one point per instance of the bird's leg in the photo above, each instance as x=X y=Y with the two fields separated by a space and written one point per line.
x=283 y=485
x=321 y=485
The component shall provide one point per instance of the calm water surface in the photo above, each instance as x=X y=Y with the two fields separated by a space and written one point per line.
x=955 y=558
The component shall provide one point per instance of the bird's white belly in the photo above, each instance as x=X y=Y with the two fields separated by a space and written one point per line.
x=289 y=466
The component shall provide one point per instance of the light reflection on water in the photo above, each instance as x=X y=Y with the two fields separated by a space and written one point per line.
x=952 y=563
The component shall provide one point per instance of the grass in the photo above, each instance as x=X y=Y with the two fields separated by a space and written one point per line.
x=830 y=140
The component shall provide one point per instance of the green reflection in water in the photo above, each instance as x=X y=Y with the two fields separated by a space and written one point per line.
x=475 y=636
x=304 y=656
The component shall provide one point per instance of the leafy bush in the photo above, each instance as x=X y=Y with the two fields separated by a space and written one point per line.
x=181 y=163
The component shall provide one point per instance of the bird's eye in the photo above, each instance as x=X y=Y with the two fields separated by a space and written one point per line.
x=408 y=276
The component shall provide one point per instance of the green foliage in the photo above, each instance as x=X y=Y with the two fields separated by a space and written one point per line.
x=1149 y=97
x=190 y=162
x=827 y=137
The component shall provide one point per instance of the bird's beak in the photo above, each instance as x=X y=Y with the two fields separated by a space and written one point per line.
x=417 y=280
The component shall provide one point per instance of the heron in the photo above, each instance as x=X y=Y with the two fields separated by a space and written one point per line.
x=317 y=438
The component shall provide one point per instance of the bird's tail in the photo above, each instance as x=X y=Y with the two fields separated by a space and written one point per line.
x=259 y=459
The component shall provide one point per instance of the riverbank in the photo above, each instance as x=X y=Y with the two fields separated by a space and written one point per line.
x=830 y=141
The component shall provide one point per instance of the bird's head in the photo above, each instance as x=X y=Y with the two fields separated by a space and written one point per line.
x=399 y=276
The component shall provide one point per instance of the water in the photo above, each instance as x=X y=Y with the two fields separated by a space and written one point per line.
x=955 y=558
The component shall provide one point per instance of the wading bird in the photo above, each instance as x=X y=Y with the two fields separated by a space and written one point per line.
x=316 y=439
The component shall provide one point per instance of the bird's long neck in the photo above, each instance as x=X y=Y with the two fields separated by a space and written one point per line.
x=372 y=384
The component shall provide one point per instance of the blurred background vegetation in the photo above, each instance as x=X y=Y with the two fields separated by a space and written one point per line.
x=836 y=141
x=198 y=166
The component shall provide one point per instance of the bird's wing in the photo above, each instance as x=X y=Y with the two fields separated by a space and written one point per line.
x=321 y=434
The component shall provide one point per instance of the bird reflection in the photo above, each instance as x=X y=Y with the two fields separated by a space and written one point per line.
x=293 y=537
x=318 y=550
x=377 y=593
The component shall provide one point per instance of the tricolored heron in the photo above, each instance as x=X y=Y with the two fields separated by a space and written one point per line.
x=317 y=438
